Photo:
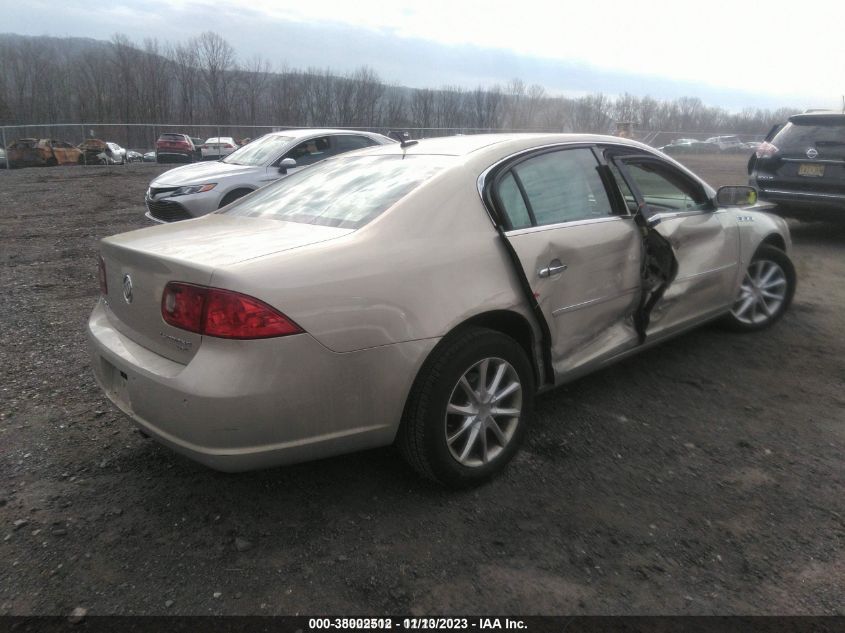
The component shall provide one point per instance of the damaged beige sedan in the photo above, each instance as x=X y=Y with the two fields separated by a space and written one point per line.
x=421 y=294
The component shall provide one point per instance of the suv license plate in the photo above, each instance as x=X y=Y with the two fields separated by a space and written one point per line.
x=810 y=169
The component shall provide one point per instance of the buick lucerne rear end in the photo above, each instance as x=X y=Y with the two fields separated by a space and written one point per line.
x=239 y=338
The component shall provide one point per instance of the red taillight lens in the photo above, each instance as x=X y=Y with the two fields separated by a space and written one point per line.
x=222 y=313
x=182 y=306
x=101 y=274
x=232 y=315
x=766 y=150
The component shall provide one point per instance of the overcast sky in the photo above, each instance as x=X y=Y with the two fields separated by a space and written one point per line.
x=728 y=53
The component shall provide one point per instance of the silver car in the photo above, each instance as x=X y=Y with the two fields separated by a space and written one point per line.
x=421 y=294
x=193 y=190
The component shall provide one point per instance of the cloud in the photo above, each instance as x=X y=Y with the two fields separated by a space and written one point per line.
x=727 y=53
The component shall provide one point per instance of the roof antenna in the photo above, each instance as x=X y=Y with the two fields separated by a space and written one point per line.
x=404 y=138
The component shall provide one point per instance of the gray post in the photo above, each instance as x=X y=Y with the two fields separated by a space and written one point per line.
x=84 y=154
x=8 y=162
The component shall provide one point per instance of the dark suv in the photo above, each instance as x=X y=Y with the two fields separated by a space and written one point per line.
x=801 y=166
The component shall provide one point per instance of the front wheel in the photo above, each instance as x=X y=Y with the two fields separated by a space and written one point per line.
x=766 y=291
x=469 y=408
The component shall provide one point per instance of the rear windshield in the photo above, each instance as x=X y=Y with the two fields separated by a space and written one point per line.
x=260 y=152
x=172 y=137
x=345 y=192
x=823 y=135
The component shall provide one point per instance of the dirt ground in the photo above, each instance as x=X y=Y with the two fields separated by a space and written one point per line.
x=702 y=477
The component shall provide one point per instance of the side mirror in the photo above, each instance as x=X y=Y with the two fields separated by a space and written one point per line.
x=736 y=196
x=287 y=163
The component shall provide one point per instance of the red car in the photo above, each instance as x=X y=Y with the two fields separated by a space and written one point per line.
x=177 y=147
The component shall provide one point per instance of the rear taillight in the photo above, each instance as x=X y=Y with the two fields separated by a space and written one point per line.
x=222 y=313
x=766 y=150
x=228 y=146
x=182 y=306
x=101 y=274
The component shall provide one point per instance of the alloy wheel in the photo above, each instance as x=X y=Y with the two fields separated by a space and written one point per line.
x=762 y=294
x=483 y=412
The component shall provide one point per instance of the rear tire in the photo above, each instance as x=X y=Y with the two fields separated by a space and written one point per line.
x=766 y=292
x=469 y=408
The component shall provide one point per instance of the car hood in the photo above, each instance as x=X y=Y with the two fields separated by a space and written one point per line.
x=201 y=173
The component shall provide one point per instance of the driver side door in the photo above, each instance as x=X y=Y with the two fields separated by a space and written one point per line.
x=306 y=153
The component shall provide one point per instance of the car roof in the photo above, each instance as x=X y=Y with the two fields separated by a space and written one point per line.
x=808 y=118
x=303 y=132
x=484 y=146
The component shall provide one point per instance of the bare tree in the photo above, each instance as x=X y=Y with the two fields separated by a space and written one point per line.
x=422 y=107
x=185 y=65
x=198 y=81
x=368 y=92
x=255 y=79
x=216 y=59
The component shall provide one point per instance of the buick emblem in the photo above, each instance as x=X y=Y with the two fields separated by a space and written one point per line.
x=127 y=288
x=812 y=152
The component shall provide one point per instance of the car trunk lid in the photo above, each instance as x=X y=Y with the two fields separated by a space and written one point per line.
x=139 y=265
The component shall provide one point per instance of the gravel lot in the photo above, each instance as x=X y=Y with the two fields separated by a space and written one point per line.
x=704 y=476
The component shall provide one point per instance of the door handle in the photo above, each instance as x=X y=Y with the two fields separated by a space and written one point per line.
x=555 y=266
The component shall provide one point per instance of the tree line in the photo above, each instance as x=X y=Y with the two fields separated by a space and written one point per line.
x=203 y=81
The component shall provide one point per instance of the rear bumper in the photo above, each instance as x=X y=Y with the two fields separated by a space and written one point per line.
x=804 y=204
x=241 y=405
x=165 y=154
x=803 y=197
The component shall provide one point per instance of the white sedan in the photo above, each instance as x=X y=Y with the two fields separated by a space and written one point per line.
x=218 y=147
x=193 y=190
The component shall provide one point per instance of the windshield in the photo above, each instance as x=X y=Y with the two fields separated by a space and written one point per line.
x=342 y=192
x=260 y=152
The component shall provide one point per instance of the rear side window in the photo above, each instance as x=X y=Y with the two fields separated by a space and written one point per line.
x=825 y=136
x=556 y=187
x=513 y=202
x=347 y=143
x=345 y=192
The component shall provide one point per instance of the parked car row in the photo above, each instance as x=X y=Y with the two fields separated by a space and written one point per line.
x=173 y=147
x=34 y=152
x=728 y=143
